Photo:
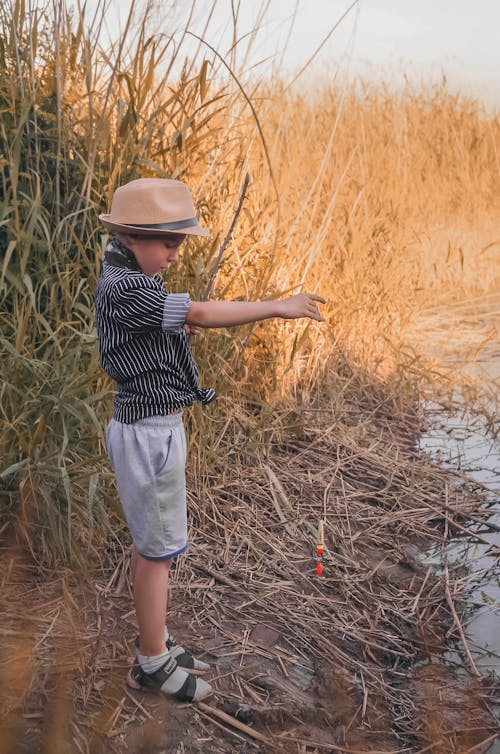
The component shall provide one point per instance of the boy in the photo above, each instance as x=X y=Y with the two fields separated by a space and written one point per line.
x=144 y=346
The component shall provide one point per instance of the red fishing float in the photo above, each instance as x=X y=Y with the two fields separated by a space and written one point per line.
x=320 y=548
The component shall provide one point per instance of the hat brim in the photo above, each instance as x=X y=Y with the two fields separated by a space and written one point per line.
x=193 y=230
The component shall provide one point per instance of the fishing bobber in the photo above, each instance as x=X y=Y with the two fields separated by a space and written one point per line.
x=320 y=548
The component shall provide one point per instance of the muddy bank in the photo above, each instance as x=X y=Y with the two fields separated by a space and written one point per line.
x=351 y=661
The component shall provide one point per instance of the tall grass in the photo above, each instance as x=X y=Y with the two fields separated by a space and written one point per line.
x=342 y=184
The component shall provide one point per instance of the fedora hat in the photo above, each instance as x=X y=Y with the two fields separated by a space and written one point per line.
x=152 y=206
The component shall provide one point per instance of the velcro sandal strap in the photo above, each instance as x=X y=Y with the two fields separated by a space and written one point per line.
x=187 y=691
x=163 y=673
x=183 y=659
x=157 y=679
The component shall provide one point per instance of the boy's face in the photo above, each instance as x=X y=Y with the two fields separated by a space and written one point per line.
x=154 y=253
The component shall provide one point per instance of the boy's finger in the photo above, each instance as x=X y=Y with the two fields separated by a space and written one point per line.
x=315 y=297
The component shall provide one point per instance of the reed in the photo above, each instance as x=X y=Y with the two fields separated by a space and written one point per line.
x=341 y=184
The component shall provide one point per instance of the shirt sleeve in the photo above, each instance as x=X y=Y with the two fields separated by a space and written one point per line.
x=142 y=305
x=175 y=311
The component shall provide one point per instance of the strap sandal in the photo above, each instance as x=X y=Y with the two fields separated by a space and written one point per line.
x=192 y=689
x=184 y=659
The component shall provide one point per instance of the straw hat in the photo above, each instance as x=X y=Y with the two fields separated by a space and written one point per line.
x=152 y=206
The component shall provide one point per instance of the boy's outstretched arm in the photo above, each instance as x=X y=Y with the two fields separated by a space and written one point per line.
x=230 y=313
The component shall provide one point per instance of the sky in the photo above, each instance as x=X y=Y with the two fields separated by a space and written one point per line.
x=422 y=39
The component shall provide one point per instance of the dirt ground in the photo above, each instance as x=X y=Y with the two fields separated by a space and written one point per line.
x=66 y=647
x=349 y=662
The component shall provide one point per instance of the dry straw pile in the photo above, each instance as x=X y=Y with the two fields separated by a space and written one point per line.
x=312 y=421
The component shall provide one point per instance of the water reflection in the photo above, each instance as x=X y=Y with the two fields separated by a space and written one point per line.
x=461 y=441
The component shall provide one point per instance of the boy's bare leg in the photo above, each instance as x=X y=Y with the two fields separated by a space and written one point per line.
x=150 y=591
x=133 y=565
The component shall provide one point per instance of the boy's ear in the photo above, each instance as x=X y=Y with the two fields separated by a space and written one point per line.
x=126 y=238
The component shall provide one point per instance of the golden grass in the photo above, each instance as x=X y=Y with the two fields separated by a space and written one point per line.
x=347 y=185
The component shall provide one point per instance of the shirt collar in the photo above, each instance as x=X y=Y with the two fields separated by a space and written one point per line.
x=119 y=255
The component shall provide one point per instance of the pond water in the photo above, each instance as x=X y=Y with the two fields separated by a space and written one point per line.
x=462 y=338
x=462 y=442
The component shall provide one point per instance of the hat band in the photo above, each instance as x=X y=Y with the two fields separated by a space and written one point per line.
x=177 y=225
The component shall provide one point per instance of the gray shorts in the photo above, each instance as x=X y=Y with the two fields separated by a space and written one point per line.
x=149 y=461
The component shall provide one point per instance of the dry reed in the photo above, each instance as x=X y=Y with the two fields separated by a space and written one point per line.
x=311 y=421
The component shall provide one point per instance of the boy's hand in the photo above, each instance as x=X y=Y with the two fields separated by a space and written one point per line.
x=192 y=330
x=301 y=305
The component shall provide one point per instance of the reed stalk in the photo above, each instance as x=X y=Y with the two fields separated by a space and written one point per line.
x=360 y=175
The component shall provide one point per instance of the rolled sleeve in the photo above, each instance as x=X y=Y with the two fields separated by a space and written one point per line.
x=175 y=309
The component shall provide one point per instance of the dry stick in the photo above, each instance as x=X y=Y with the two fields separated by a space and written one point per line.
x=233 y=721
x=459 y=513
x=471 y=516
x=263 y=142
x=472 y=481
x=466 y=515
x=471 y=533
x=469 y=751
x=278 y=491
x=417 y=598
x=220 y=577
x=225 y=728
x=138 y=704
x=227 y=239
x=456 y=618
x=491 y=739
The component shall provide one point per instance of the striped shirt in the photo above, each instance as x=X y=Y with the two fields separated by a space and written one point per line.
x=142 y=341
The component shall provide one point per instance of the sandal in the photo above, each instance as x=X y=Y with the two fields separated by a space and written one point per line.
x=185 y=659
x=191 y=689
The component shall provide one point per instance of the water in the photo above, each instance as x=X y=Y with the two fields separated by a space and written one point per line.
x=461 y=338
x=462 y=442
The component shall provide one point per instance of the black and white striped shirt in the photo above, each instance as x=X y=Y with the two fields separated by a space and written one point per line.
x=142 y=341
